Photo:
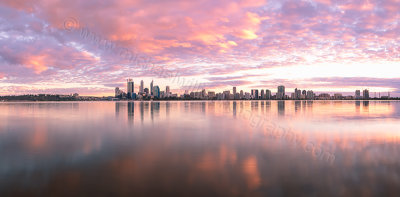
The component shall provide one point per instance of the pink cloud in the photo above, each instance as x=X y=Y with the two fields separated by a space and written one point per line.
x=196 y=38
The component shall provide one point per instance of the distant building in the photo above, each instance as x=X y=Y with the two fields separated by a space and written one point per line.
x=310 y=95
x=241 y=95
x=262 y=94
x=365 y=94
x=357 y=94
x=156 y=91
x=117 y=92
x=151 y=87
x=256 y=95
x=211 y=95
x=297 y=93
x=130 y=88
x=324 y=96
x=167 y=91
x=268 y=94
x=247 y=96
x=226 y=94
x=203 y=94
x=281 y=93
x=338 y=96
x=146 y=91
x=141 y=88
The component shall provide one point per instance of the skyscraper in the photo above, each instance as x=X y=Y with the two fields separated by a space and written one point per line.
x=234 y=90
x=358 y=94
x=365 y=94
x=297 y=93
x=117 y=92
x=130 y=87
x=141 y=89
x=262 y=94
x=156 y=91
x=310 y=95
x=268 y=94
x=281 y=92
x=167 y=91
x=257 y=96
x=151 y=88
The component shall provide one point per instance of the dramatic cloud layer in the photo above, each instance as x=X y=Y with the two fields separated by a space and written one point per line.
x=89 y=46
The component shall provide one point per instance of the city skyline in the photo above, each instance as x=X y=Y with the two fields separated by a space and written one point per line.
x=336 y=46
x=255 y=94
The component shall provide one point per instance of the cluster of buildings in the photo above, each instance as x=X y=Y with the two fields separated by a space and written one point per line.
x=143 y=93
x=155 y=93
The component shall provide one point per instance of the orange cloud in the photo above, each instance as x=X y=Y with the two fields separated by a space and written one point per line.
x=37 y=64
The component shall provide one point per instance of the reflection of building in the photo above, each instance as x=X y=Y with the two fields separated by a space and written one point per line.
x=281 y=108
x=297 y=106
x=365 y=106
x=131 y=109
x=117 y=108
x=234 y=108
x=281 y=92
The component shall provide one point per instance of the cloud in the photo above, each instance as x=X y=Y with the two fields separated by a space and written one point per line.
x=200 y=39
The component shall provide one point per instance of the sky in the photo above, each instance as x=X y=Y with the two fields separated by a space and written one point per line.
x=91 y=47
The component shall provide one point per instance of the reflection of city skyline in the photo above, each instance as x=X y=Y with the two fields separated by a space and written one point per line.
x=153 y=110
x=196 y=140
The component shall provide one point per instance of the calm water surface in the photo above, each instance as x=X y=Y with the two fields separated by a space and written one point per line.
x=200 y=148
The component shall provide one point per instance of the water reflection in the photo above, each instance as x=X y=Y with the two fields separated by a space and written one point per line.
x=281 y=108
x=200 y=148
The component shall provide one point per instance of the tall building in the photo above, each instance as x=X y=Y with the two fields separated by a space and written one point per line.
x=365 y=94
x=151 y=87
x=262 y=94
x=226 y=94
x=167 y=91
x=156 y=91
x=241 y=95
x=281 y=92
x=234 y=90
x=310 y=95
x=141 y=88
x=203 y=94
x=268 y=94
x=211 y=94
x=358 y=94
x=256 y=95
x=130 y=88
x=117 y=92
